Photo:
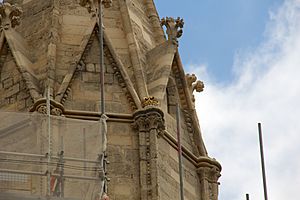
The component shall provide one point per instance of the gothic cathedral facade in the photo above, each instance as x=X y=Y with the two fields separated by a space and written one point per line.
x=53 y=44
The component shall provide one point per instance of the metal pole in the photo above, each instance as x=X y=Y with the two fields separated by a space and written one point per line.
x=49 y=141
x=102 y=103
x=262 y=161
x=179 y=153
x=102 y=93
x=247 y=197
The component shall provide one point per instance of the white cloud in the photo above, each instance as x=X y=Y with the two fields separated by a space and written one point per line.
x=266 y=89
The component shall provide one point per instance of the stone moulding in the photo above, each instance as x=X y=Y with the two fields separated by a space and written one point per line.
x=186 y=100
x=196 y=161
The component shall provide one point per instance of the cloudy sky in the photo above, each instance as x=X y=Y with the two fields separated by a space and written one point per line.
x=248 y=54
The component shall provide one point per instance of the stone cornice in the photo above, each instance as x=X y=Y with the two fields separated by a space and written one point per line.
x=198 y=162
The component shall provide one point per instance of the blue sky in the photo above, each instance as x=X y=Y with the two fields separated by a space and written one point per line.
x=247 y=54
x=215 y=30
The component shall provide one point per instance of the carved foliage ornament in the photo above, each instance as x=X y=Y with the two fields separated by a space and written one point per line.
x=149 y=101
x=92 y=5
x=9 y=16
x=145 y=120
x=174 y=28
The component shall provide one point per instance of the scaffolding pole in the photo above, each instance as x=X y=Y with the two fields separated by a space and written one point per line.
x=262 y=161
x=103 y=117
x=49 y=141
x=179 y=152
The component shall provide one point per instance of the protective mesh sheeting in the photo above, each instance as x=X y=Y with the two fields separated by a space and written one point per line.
x=75 y=147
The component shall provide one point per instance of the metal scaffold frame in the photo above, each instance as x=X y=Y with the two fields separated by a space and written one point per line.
x=56 y=168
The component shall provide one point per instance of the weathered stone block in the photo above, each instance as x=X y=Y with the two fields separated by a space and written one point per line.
x=12 y=90
x=90 y=67
x=7 y=83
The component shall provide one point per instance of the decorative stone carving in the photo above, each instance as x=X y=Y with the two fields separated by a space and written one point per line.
x=9 y=16
x=41 y=107
x=151 y=118
x=149 y=101
x=193 y=84
x=209 y=176
x=56 y=111
x=92 y=5
x=174 y=28
x=150 y=123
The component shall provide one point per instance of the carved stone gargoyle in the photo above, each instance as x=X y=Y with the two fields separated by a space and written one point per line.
x=9 y=16
x=193 y=84
x=174 y=28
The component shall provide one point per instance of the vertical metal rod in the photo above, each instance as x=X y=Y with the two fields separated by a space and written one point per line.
x=262 y=161
x=49 y=140
x=102 y=93
x=247 y=197
x=84 y=150
x=179 y=152
x=61 y=163
x=102 y=70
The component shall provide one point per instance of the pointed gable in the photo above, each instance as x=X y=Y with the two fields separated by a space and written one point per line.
x=184 y=90
x=84 y=79
x=18 y=82
x=13 y=93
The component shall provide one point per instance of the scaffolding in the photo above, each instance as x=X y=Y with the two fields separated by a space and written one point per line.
x=50 y=156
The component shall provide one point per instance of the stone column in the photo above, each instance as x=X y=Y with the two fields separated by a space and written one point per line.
x=149 y=122
x=209 y=175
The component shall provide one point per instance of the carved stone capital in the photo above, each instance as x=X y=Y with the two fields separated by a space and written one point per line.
x=92 y=5
x=151 y=118
x=174 y=28
x=9 y=16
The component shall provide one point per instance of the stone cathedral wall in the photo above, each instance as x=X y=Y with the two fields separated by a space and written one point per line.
x=142 y=142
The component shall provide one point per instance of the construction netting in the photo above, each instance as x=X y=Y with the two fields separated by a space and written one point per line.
x=51 y=156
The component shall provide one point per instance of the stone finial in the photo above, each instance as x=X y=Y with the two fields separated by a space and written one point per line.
x=193 y=84
x=149 y=101
x=174 y=28
x=9 y=16
x=92 y=5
